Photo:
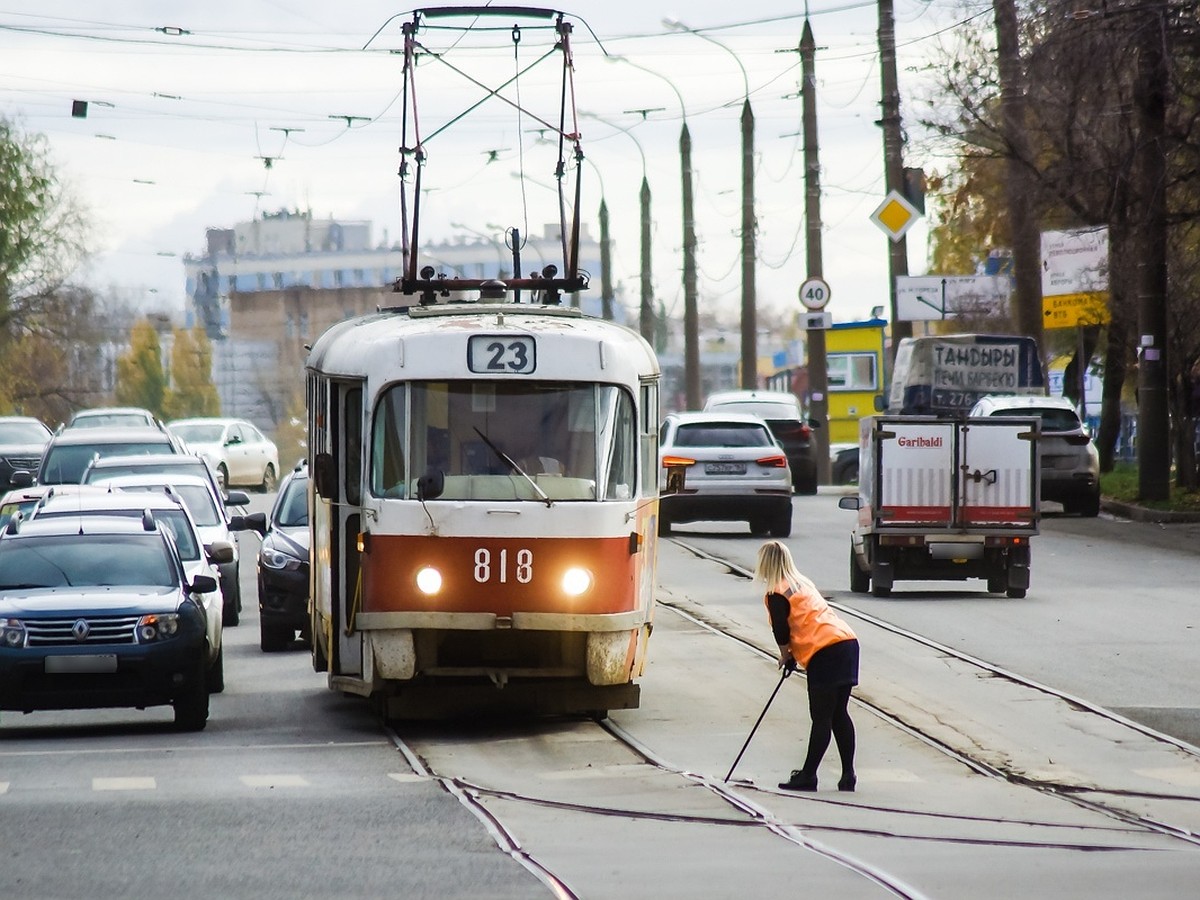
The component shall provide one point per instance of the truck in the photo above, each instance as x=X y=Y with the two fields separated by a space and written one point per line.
x=945 y=498
x=946 y=374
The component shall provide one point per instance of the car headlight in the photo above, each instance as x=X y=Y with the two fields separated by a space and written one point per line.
x=12 y=633
x=576 y=581
x=157 y=627
x=278 y=560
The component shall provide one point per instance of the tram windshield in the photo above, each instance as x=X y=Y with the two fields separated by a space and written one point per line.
x=491 y=439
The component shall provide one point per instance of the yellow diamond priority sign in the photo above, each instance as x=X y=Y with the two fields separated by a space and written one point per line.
x=895 y=215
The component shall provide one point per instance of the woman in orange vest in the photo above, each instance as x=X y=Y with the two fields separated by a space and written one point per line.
x=812 y=636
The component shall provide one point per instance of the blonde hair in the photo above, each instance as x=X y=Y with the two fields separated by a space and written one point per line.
x=775 y=564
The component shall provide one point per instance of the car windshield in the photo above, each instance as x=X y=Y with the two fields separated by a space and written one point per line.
x=200 y=434
x=175 y=520
x=722 y=434
x=293 y=504
x=66 y=464
x=85 y=560
x=23 y=433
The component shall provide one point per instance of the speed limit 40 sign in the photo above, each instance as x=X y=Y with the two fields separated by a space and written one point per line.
x=814 y=293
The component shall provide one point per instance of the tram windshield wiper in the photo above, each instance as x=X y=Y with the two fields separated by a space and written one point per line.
x=512 y=464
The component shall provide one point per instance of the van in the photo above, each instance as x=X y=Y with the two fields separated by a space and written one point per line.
x=945 y=375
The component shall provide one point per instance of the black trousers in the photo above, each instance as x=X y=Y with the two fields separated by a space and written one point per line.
x=829 y=705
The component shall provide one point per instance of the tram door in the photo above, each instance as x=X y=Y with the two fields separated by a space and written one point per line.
x=344 y=417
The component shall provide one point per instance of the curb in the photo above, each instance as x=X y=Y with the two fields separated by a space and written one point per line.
x=1143 y=514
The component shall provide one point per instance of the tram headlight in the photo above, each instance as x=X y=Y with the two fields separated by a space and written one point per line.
x=429 y=580
x=576 y=581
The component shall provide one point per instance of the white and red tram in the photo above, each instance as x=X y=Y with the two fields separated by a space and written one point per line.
x=484 y=505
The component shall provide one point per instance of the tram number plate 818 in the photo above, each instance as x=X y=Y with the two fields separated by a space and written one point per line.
x=494 y=354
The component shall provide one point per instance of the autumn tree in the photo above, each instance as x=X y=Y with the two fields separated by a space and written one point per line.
x=192 y=392
x=141 y=380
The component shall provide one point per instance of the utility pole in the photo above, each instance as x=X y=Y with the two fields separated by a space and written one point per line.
x=606 y=288
x=893 y=156
x=646 y=310
x=1018 y=183
x=818 y=370
x=749 y=318
x=1153 y=444
x=691 y=313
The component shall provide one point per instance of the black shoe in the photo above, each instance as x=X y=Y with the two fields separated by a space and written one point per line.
x=848 y=783
x=799 y=782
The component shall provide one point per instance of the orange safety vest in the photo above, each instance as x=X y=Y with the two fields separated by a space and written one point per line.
x=813 y=625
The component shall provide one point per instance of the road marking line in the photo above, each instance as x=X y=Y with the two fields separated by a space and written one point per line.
x=406 y=777
x=3 y=787
x=124 y=784
x=274 y=781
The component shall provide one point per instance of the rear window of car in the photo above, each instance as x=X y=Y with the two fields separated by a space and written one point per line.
x=762 y=410
x=1052 y=419
x=722 y=435
x=66 y=464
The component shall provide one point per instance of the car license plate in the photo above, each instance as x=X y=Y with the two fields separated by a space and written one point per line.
x=90 y=664
x=724 y=468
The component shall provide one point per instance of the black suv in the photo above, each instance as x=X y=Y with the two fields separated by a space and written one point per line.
x=98 y=612
x=787 y=422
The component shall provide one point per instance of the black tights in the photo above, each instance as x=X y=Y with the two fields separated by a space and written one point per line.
x=829 y=708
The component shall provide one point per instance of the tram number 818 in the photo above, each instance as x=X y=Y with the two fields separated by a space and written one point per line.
x=485 y=570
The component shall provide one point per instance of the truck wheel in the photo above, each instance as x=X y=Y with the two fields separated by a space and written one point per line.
x=1016 y=593
x=996 y=584
x=881 y=591
x=860 y=581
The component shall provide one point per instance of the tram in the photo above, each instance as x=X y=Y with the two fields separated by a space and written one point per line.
x=484 y=508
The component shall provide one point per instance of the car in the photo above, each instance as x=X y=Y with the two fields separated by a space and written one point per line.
x=23 y=440
x=113 y=416
x=170 y=511
x=843 y=464
x=207 y=506
x=1070 y=463
x=98 y=612
x=154 y=463
x=70 y=450
x=733 y=470
x=785 y=417
x=283 y=566
x=236 y=449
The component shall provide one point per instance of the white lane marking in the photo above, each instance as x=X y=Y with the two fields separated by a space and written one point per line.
x=124 y=784
x=215 y=748
x=406 y=777
x=3 y=787
x=274 y=781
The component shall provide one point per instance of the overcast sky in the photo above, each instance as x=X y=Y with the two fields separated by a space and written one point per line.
x=180 y=126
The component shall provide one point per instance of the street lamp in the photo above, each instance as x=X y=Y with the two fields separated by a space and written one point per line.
x=749 y=323
x=691 y=315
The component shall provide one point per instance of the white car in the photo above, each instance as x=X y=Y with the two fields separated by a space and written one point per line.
x=235 y=448
x=169 y=510
x=214 y=522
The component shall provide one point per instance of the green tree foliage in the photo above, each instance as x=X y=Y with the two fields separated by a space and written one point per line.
x=192 y=392
x=42 y=228
x=140 y=377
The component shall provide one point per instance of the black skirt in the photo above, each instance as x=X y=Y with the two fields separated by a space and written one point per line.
x=834 y=666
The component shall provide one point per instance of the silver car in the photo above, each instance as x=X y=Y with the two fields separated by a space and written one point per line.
x=734 y=471
x=1069 y=460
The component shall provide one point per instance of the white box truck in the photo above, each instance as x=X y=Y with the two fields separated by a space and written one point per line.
x=944 y=498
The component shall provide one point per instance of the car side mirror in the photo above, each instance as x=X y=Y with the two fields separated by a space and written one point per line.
x=219 y=552
x=21 y=479
x=237 y=498
x=854 y=502
x=203 y=584
x=431 y=485
x=879 y=403
x=252 y=522
x=676 y=480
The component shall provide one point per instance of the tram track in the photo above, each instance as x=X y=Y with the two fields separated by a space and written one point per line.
x=1069 y=793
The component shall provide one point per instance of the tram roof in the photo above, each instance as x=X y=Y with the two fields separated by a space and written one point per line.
x=357 y=346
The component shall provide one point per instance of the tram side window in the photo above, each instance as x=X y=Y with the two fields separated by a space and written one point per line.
x=618 y=428
x=387 y=445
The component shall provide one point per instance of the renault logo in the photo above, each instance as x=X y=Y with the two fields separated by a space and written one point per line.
x=81 y=629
